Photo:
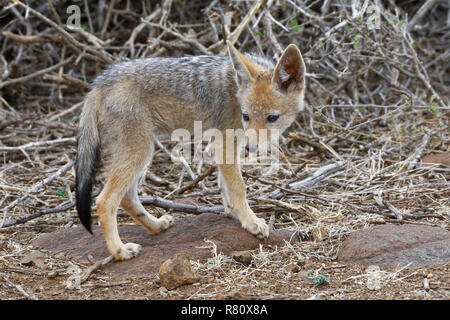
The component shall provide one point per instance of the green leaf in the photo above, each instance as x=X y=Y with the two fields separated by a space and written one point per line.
x=85 y=27
x=433 y=108
x=322 y=278
x=261 y=34
x=61 y=193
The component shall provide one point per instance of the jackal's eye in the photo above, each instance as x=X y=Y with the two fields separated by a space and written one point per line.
x=272 y=118
x=245 y=117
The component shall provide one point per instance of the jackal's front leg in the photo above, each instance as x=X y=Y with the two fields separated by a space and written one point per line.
x=235 y=200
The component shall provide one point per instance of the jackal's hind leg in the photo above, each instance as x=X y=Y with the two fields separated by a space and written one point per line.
x=107 y=204
x=131 y=204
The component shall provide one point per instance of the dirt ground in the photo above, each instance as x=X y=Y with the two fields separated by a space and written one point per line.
x=275 y=273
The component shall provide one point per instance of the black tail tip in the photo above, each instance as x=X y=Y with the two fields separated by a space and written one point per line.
x=83 y=204
x=88 y=227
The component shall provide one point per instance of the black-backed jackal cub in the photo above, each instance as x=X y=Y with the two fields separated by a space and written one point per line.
x=132 y=101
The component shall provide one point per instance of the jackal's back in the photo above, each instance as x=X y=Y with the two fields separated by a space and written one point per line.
x=206 y=80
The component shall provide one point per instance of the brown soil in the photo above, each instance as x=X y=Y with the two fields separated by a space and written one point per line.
x=275 y=273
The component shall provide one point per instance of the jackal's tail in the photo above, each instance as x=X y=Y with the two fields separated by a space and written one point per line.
x=88 y=150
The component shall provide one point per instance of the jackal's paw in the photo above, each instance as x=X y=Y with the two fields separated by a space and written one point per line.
x=258 y=227
x=127 y=251
x=165 y=221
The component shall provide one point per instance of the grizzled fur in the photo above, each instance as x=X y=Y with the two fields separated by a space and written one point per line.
x=132 y=101
x=206 y=80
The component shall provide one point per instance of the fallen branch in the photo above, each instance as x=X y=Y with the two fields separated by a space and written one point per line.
x=28 y=296
x=387 y=205
x=317 y=176
x=37 y=145
x=36 y=188
x=36 y=74
x=419 y=151
x=196 y=181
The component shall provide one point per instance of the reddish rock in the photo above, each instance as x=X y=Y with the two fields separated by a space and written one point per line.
x=244 y=257
x=177 y=271
x=185 y=236
x=439 y=159
x=392 y=246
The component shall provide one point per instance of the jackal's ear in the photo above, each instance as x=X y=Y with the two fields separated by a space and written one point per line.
x=244 y=67
x=289 y=74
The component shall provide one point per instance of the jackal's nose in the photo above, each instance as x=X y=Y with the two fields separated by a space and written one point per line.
x=250 y=148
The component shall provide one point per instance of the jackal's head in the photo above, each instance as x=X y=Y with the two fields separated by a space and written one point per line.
x=269 y=99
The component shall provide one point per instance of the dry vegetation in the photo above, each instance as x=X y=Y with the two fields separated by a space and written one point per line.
x=377 y=101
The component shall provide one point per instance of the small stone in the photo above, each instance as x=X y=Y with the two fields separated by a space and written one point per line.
x=426 y=284
x=234 y=295
x=303 y=274
x=163 y=291
x=60 y=255
x=293 y=268
x=374 y=279
x=177 y=271
x=33 y=258
x=244 y=257
x=434 y=285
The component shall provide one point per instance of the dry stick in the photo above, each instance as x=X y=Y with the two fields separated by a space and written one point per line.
x=63 y=207
x=156 y=201
x=18 y=288
x=55 y=13
x=234 y=36
x=63 y=113
x=37 y=145
x=377 y=106
x=422 y=75
x=89 y=271
x=108 y=17
x=273 y=39
x=182 y=207
x=67 y=80
x=317 y=176
x=194 y=43
x=180 y=158
x=196 y=181
x=36 y=74
x=393 y=209
x=420 y=13
x=36 y=188
x=67 y=36
x=287 y=206
x=139 y=28
x=419 y=151
x=98 y=43
x=23 y=39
